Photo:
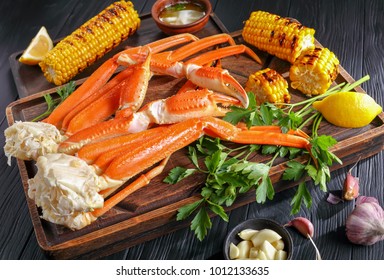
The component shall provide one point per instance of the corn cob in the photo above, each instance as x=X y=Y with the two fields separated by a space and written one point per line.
x=278 y=36
x=314 y=71
x=268 y=86
x=90 y=41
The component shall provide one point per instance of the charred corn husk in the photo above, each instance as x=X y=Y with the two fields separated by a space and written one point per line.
x=90 y=42
x=277 y=35
x=268 y=86
x=314 y=71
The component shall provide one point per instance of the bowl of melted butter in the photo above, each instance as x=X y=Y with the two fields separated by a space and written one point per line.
x=181 y=16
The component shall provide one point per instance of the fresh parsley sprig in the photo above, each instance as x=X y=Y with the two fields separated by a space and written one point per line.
x=63 y=92
x=229 y=173
x=318 y=171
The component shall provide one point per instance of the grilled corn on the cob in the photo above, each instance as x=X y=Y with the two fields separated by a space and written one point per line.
x=277 y=35
x=314 y=71
x=90 y=41
x=268 y=86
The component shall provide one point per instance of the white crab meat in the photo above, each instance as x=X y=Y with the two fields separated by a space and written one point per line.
x=29 y=140
x=66 y=188
x=76 y=221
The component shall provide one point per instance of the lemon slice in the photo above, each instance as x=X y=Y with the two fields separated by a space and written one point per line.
x=38 y=48
x=348 y=109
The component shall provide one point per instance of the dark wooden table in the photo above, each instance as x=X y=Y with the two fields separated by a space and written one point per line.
x=352 y=29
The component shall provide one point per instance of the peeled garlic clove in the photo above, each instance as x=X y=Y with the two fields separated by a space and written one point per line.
x=244 y=247
x=247 y=234
x=278 y=244
x=234 y=251
x=253 y=253
x=268 y=249
x=281 y=255
x=261 y=255
x=265 y=234
x=365 y=225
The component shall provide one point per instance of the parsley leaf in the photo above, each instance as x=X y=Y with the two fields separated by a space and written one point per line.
x=294 y=171
x=63 y=92
x=214 y=161
x=193 y=156
x=264 y=190
x=268 y=149
x=302 y=196
x=217 y=209
x=185 y=211
x=266 y=114
x=236 y=115
x=177 y=174
x=201 y=223
x=50 y=107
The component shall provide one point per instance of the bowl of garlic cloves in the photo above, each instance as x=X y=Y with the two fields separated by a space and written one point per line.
x=258 y=239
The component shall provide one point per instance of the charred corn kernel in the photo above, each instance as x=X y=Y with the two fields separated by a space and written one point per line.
x=278 y=36
x=90 y=42
x=314 y=71
x=268 y=86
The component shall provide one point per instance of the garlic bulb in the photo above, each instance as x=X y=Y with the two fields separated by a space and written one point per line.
x=365 y=225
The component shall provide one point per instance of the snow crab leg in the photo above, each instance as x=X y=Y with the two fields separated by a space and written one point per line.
x=184 y=105
x=91 y=85
x=181 y=134
x=162 y=60
x=111 y=88
x=127 y=163
x=100 y=77
x=126 y=94
x=131 y=98
x=223 y=52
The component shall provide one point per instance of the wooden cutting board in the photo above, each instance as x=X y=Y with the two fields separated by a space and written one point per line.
x=151 y=211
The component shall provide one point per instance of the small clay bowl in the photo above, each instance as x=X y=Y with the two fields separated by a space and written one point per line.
x=258 y=224
x=172 y=29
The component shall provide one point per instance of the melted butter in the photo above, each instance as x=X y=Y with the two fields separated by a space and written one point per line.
x=182 y=13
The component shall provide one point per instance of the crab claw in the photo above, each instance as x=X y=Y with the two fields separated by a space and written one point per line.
x=216 y=79
x=187 y=104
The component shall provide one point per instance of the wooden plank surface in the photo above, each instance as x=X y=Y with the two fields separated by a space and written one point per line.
x=157 y=202
x=350 y=28
x=150 y=212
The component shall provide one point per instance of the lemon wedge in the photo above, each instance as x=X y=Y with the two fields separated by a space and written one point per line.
x=38 y=48
x=348 y=109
